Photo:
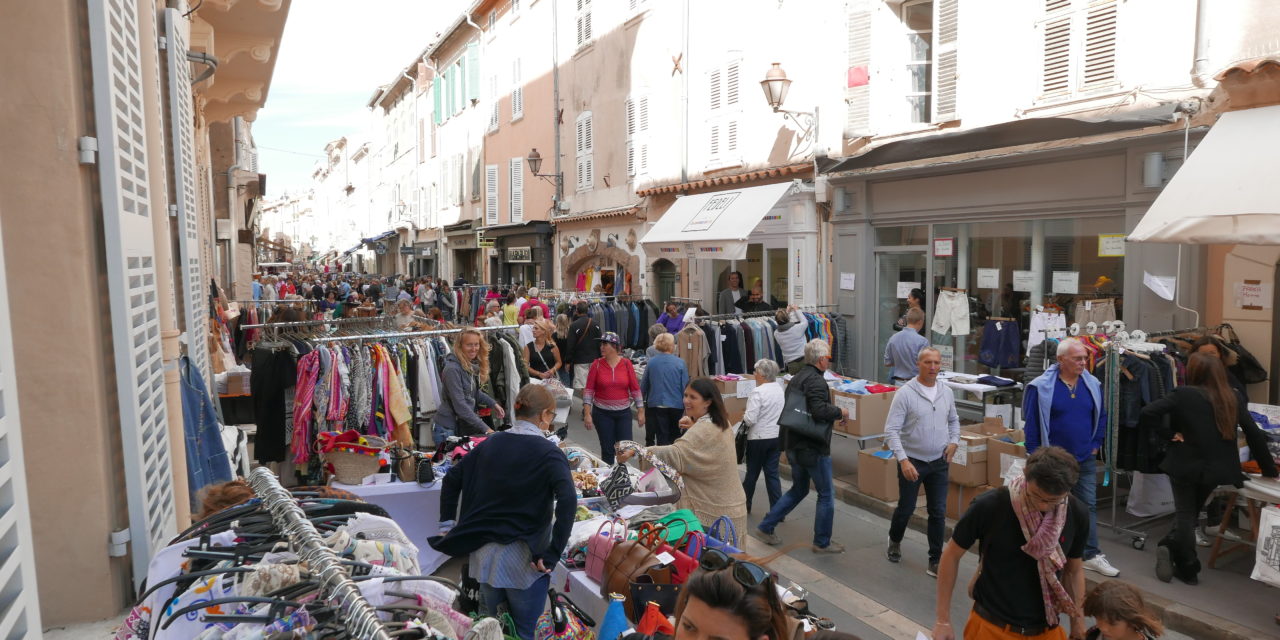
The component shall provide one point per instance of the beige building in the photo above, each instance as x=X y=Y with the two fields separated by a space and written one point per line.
x=127 y=168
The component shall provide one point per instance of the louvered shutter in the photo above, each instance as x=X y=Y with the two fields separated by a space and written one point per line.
x=491 y=194
x=713 y=90
x=516 y=169
x=947 y=15
x=132 y=275
x=584 y=22
x=631 y=135
x=493 y=103
x=194 y=290
x=857 y=93
x=1056 y=67
x=713 y=141
x=1098 y=67
x=517 y=91
x=473 y=71
x=731 y=136
x=731 y=85
x=21 y=617
x=585 y=147
x=437 y=92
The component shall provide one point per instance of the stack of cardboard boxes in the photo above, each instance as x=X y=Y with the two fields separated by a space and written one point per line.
x=986 y=452
x=867 y=413
x=734 y=393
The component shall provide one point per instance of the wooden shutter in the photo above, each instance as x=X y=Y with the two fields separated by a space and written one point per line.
x=731 y=85
x=585 y=148
x=473 y=72
x=1056 y=67
x=584 y=22
x=516 y=179
x=631 y=135
x=491 y=194
x=642 y=132
x=713 y=90
x=437 y=92
x=947 y=15
x=132 y=274
x=1098 y=66
x=858 y=98
x=517 y=91
x=194 y=287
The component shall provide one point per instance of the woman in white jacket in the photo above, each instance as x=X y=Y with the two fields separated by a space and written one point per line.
x=764 y=407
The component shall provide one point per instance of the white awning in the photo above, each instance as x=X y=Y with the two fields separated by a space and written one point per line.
x=712 y=225
x=1225 y=192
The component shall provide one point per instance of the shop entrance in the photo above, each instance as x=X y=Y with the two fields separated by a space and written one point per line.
x=898 y=272
x=664 y=272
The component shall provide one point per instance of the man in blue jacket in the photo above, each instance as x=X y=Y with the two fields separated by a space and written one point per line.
x=1064 y=408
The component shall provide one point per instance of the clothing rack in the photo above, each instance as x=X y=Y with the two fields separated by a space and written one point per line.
x=359 y=616
x=731 y=316
x=314 y=323
x=410 y=334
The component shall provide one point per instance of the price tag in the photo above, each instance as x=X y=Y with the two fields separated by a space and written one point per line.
x=1088 y=305
x=666 y=558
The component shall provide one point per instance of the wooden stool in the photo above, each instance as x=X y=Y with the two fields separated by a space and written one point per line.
x=1254 y=502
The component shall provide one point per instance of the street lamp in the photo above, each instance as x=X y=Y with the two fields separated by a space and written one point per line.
x=775 y=86
x=535 y=163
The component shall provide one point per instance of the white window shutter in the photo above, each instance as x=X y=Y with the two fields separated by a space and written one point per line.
x=643 y=162
x=1056 y=66
x=642 y=115
x=491 y=194
x=195 y=287
x=588 y=146
x=631 y=158
x=731 y=137
x=132 y=274
x=947 y=15
x=517 y=91
x=713 y=90
x=1098 y=67
x=858 y=27
x=713 y=142
x=517 y=189
x=631 y=117
x=731 y=84
x=493 y=103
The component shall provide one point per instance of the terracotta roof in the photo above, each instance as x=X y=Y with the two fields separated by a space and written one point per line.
x=1248 y=66
x=1250 y=84
x=596 y=215
x=737 y=178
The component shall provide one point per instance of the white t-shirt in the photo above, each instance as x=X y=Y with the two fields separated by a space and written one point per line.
x=526 y=334
x=930 y=393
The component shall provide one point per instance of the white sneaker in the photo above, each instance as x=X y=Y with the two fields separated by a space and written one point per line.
x=1201 y=539
x=1099 y=564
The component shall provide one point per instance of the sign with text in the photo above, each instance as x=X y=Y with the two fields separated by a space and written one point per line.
x=1024 y=280
x=1110 y=245
x=988 y=278
x=710 y=211
x=944 y=247
x=483 y=242
x=519 y=254
x=1066 y=282
x=1253 y=295
x=904 y=289
x=846 y=281
x=948 y=353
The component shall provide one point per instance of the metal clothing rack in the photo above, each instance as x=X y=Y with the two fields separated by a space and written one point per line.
x=358 y=615
x=731 y=316
x=410 y=334
x=315 y=323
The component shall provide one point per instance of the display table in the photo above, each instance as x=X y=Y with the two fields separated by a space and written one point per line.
x=415 y=508
x=975 y=388
x=583 y=591
x=1257 y=493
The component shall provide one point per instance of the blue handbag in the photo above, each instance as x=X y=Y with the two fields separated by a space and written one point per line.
x=723 y=536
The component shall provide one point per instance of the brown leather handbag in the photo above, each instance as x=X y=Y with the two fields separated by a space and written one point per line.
x=632 y=558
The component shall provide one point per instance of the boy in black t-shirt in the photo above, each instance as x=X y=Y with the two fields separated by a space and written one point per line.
x=1021 y=587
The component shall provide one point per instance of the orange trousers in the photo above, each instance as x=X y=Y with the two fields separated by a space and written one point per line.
x=978 y=628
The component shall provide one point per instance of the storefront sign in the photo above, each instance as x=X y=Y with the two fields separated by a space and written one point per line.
x=380 y=248
x=408 y=251
x=483 y=242
x=944 y=247
x=846 y=281
x=426 y=252
x=1110 y=245
x=904 y=289
x=1066 y=282
x=519 y=254
x=1253 y=295
x=988 y=278
x=710 y=211
x=1024 y=280
x=948 y=354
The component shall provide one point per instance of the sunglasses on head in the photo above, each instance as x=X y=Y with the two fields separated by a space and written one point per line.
x=748 y=574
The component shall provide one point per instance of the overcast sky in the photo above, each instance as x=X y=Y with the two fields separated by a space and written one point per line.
x=334 y=54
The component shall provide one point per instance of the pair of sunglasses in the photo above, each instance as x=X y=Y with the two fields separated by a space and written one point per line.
x=748 y=574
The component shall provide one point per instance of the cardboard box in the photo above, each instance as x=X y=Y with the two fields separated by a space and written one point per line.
x=959 y=498
x=969 y=465
x=735 y=407
x=992 y=426
x=867 y=413
x=1001 y=454
x=727 y=387
x=238 y=383
x=878 y=477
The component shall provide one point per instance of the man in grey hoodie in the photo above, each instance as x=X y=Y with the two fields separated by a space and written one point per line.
x=923 y=431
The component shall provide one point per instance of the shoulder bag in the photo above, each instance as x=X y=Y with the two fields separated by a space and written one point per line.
x=740 y=440
x=563 y=620
x=599 y=546
x=796 y=418
x=630 y=559
x=723 y=535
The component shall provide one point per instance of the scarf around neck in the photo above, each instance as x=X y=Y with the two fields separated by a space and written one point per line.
x=1043 y=530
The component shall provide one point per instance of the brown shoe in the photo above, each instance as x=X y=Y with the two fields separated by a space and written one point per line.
x=834 y=547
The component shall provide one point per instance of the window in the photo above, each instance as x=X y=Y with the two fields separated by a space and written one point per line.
x=473 y=74
x=491 y=194
x=584 y=147
x=584 y=22
x=491 y=22
x=724 y=113
x=516 y=180
x=517 y=92
x=917 y=17
x=637 y=118
x=1078 y=46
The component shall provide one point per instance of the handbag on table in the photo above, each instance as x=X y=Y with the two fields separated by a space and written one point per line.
x=685 y=554
x=630 y=559
x=723 y=535
x=680 y=523
x=563 y=620
x=645 y=593
x=797 y=419
x=661 y=484
x=618 y=485
x=599 y=546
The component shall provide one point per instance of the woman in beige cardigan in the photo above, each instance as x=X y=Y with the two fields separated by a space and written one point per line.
x=706 y=459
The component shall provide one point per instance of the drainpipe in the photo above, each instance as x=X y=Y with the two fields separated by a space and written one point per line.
x=1199 y=75
x=234 y=242
x=555 y=105
x=684 y=97
x=165 y=297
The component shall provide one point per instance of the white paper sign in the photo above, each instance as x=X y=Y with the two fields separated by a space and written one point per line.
x=1111 y=245
x=904 y=289
x=1066 y=282
x=988 y=278
x=745 y=387
x=1163 y=286
x=948 y=354
x=1024 y=280
x=846 y=281
x=944 y=247
x=1253 y=294
x=847 y=402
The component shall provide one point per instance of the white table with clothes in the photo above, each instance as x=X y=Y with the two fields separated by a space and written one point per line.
x=975 y=388
x=416 y=508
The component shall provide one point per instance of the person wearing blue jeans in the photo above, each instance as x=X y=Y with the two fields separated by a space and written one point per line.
x=524 y=605
x=922 y=430
x=611 y=428
x=810 y=458
x=1064 y=408
x=611 y=389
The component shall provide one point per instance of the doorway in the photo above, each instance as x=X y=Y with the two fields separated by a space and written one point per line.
x=898 y=273
x=664 y=272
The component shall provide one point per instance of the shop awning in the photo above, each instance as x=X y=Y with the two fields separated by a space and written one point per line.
x=713 y=225
x=381 y=236
x=1225 y=192
x=353 y=249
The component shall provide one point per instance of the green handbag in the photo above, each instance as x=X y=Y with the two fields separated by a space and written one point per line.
x=679 y=524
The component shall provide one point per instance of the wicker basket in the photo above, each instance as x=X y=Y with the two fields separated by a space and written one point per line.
x=351 y=463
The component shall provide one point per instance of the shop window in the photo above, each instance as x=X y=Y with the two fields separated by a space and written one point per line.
x=902 y=236
x=917 y=17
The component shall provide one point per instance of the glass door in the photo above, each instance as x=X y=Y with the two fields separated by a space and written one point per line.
x=899 y=273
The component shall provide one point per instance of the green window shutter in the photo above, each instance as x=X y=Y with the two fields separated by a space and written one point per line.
x=437 y=87
x=473 y=71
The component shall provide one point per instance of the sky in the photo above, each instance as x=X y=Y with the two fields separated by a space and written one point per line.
x=333 y=55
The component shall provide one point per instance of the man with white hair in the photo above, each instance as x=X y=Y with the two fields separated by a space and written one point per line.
x=533 y=301
x=810 y=458
x=1064 y=407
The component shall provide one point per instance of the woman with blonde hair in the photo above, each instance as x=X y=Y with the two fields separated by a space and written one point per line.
x=464 y=369
x=541 y=352
x=561 y=337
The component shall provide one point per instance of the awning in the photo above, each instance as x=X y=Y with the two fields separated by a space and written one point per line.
x=1225 y=191
x=353 y=249
x=713 y=225
x=381 y=236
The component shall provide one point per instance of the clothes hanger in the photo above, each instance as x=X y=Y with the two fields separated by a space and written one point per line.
x=205 y=604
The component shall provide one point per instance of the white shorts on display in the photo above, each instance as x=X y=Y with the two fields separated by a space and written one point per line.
x=1051 y=325
x=952 y=314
